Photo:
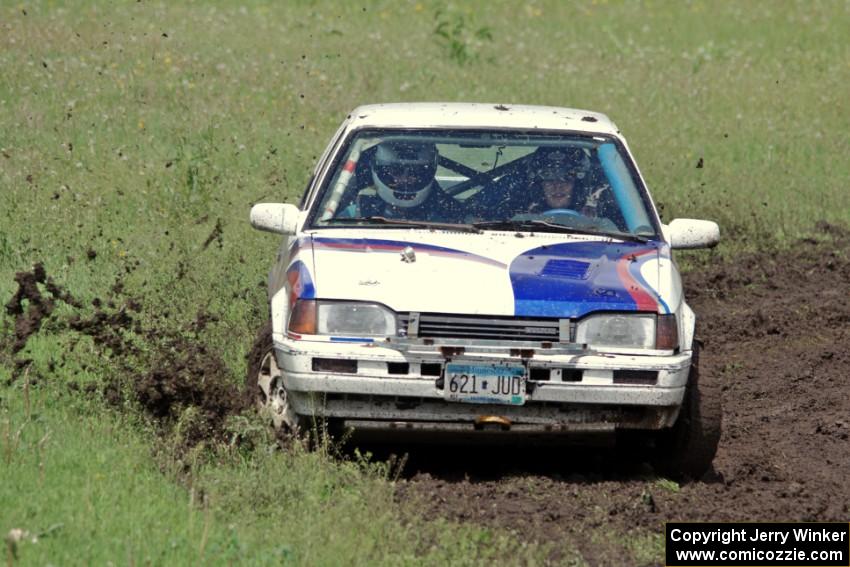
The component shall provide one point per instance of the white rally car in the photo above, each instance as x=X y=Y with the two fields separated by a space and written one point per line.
x=478 y=272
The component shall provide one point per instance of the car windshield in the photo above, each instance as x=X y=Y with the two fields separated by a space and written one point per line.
x=484 y=180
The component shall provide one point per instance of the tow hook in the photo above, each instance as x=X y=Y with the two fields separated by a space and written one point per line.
x=491 y=422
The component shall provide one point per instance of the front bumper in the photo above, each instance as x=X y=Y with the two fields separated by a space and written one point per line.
x=399 y=388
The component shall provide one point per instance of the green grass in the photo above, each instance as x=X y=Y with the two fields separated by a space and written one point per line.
x=646 y=549
x=129 y=131
x=82 y=481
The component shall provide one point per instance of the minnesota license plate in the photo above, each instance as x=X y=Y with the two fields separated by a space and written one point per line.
x=485 y=384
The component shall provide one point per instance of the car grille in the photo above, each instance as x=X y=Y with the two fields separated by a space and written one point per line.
x=429 y=325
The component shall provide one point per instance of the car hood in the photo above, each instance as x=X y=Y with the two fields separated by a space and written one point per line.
x=493 y=273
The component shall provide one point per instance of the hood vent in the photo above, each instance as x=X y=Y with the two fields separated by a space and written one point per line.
x=572 y=269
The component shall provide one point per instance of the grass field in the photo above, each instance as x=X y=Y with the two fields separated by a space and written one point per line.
x=135 y=136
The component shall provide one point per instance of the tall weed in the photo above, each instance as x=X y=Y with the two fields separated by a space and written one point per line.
x=458 y=36
x=196 y=158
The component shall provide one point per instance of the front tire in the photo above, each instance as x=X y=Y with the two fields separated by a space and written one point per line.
x=264 y=386
x=688 y=448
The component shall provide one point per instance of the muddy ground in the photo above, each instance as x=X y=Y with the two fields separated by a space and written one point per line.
x=776 y=329
x=164 y=368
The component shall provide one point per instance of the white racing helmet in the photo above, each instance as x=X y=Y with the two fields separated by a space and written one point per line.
x=403 y=172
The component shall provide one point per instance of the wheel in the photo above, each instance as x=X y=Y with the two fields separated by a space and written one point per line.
x=687 y=449
x=265 y=390
x=264 y=385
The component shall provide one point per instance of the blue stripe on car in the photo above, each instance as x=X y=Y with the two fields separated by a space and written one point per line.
x=584 y=278
x=352 y=340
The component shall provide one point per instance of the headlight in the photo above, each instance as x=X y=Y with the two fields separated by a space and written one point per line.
x=312 y=317
x=354 y=319
x=617 y=331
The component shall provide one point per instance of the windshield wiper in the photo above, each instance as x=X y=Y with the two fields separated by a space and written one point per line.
x=546 y=226
x=406 y=222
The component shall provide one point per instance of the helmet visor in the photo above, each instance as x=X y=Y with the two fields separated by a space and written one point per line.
x=406 y=177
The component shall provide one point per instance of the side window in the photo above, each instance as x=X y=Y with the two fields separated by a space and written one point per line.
x=321 y=163
x=303 y=202
x=597 y=199
x=361 y=182
x=623 y=189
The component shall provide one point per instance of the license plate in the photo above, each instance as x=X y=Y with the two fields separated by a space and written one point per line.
x=485 y=384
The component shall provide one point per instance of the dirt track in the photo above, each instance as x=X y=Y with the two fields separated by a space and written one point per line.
x=776 y=329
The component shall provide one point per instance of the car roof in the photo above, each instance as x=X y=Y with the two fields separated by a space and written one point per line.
x=479 y=115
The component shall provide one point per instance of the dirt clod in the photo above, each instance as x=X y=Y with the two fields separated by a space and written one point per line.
x=29 y=306
x=216 y=235
x=189 y=377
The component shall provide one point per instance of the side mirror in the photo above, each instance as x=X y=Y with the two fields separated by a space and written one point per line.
x=275 y=217
x=685 y=234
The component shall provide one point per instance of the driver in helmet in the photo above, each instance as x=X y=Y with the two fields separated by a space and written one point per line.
x=403 y=176
x=556 y=176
